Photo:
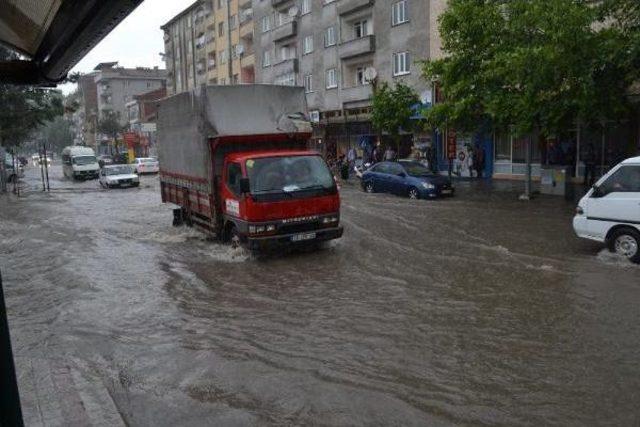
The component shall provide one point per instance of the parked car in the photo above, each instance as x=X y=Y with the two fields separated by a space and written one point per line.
x=610 y=211
x=118 y=176
x=406 y=178
x=146 y=165
x=104 y=160
x=11 y=174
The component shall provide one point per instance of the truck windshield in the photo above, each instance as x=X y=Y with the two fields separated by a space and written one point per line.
x=289 y=175
x=84 y=160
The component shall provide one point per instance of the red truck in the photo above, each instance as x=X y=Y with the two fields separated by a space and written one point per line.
x=234 y=159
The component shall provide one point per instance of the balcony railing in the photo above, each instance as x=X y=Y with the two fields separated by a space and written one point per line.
x=284 y=31
x=357 y=47
x=285 y=67
x=356 y=93
x=348 y=6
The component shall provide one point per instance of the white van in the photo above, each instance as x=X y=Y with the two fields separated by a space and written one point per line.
x=610 y=211
x=80 y=163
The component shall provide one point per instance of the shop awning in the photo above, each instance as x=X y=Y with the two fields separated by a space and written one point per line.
x=53 y=35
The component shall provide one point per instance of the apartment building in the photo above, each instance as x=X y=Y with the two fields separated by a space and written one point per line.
x=335 y=47
x=210 y=42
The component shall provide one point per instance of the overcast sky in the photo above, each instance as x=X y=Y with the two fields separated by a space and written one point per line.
x=137 y=41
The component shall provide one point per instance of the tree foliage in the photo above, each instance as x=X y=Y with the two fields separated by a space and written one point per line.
x=57 y=133
x=24 y=108
x=532 y=64
x=392 y=109
x=109 y=124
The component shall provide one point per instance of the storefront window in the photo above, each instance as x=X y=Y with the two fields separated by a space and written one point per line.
x=520 y=150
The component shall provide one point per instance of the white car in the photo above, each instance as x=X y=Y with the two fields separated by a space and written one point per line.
x=118 y=176
x=610 y=211
x=146 y=165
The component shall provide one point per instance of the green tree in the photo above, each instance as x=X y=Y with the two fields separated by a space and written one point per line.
x=57 y=133
x=392 y=110
x=536 y=65
x=24 y=108
x=109 y=125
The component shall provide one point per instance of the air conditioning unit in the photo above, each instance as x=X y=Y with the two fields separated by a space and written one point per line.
x=314 y=116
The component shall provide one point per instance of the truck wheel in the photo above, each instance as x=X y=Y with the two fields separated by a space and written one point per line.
x=626 y=242
x=177 y=217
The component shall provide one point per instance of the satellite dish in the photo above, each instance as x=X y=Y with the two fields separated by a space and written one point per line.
x=370 y=74
x=293 y=11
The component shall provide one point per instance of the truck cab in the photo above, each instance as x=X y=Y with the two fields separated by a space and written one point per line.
x=272 y=198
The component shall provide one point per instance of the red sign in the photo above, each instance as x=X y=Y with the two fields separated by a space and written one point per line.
x=130 y=138
x=451 y=144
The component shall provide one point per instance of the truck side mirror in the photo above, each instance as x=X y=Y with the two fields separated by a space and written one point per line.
x=245 y=186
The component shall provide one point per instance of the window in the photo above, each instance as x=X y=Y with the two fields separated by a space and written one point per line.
x=308 y=83
x=266 y=58
x=221 y=29
x=232 y=22
x=399 y=13
x=401 y=63
x=307 y=45
x=503 y=146
x=330 y=37
x=234 y=173
x=624 y=180
x=305 y=7
x=287 y=52
x=332 y=79
x=361 y=80
x=361 y=29
x=265 y=23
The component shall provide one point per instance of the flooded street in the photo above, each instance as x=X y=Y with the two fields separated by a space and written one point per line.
x=474 y=310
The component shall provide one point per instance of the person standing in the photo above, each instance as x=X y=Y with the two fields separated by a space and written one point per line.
x=590 y=160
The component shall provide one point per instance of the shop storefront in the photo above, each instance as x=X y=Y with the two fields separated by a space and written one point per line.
x=605 y=145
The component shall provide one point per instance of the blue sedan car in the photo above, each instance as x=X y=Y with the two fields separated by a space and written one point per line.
x=406 y=178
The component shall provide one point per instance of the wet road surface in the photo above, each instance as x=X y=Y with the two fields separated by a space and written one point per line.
x=474 y=310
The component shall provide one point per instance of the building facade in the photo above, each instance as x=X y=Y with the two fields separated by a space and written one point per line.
x=335 y=48
x=142 y=115
x=210 y=42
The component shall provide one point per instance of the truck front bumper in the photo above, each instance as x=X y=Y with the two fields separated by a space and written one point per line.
x=280 y=240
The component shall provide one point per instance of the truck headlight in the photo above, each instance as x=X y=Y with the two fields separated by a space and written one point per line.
x=428 y=185
x=271 y=227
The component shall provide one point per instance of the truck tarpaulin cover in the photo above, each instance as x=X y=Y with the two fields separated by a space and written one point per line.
x=187 y=121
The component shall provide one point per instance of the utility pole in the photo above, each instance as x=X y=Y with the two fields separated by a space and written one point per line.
x=46 y=163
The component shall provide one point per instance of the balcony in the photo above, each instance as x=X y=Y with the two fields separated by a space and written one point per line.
x=246 y=30
x=349 y=6
x=357 y=47
x=286 y=67
x=284 y=31
x=276 y=3
x=356 y=94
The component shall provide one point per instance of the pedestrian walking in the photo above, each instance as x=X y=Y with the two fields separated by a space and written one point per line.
x=590 y=160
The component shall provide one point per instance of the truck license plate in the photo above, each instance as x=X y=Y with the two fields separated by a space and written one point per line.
x=303 y=237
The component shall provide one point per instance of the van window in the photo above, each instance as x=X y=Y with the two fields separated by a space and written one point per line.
x=624 y=180
x=234 y=173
